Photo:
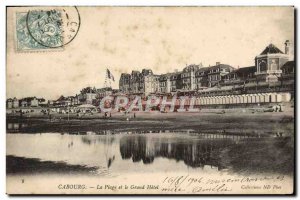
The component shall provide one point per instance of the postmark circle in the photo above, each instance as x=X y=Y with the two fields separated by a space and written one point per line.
x=55 y=27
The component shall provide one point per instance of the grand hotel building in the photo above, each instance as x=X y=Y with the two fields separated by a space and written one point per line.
x=271 y=66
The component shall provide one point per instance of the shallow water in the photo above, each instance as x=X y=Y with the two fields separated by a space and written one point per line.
x=125 y=153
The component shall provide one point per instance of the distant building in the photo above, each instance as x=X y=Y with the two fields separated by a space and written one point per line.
x=76 y=100
x=175 y=81
x=42 y=102
x=188 y=77
x=272 y=65
x=102 y=92
x=87 y=95
x=151 y=83
x=201 y=78
x=239 y=76
x=135 y=82
x=288 y=68
x=269 y=62
x=62 y=101
x=9 y=103
x=217 y=72
x=29 y=102
x=34 y=102
x=192 y=77
x=165 y=83
x=139 y=82
x=15 y=103
x=124 y=83
x=50 y=103
x=288 y=74
x=65 y=101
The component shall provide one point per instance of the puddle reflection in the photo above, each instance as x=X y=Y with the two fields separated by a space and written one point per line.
x=128 y=153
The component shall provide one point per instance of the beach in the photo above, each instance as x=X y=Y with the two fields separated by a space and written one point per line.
x=233 y=121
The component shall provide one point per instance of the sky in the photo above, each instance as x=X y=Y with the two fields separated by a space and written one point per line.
x=133 y=38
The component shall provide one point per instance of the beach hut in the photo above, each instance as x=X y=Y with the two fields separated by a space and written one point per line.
x=261 y=98
x=286 y=97
x=213 y=100
x=234 y=99
x=238 y=98
x=218 y=100
x=279 y=97
x=273 y=98
x=248 y=98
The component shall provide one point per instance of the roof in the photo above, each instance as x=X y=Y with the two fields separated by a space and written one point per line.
x=169 y=75
x=125 y=75
x=288 y=65
x=243 y=71
x=135 y=72
x=104 y=89
x=192 y=67
x=203 y=69
x=41 y=99
x=271 y=49
x=206 y=69
x=219 y=65
x=28 y=99
x=146 y=72
x=61 y=98
x=246 y=70
x=88 y=90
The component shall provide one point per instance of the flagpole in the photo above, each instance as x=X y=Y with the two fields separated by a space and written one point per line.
x=105 y=82
x=109 y=79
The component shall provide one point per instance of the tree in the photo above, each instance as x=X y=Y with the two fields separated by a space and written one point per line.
x=88 y=90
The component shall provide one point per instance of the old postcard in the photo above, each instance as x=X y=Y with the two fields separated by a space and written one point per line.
x=150 y=100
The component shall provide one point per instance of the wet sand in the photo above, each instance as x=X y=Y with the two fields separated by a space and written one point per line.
x=21 y=165
x=233 y=122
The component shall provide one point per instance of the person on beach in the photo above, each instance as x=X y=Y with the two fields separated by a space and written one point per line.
x=134 y=115
x=280 y=108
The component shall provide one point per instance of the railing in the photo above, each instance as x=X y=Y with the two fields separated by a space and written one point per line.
x=269 y=72
x=250 y=90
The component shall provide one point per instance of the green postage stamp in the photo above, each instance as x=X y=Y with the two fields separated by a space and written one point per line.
x=46 y=29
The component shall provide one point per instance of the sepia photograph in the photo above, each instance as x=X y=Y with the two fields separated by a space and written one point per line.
x=150 y=100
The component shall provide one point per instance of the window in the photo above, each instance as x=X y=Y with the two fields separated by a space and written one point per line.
x=274 y=65
x=263 y=66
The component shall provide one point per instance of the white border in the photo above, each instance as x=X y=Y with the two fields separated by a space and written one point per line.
x=4 y=3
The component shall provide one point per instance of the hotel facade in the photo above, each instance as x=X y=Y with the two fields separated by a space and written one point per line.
x=271 y=66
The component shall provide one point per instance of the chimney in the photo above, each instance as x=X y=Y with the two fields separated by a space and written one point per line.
x=287 y=46
x=289 y=49
x=218 y=63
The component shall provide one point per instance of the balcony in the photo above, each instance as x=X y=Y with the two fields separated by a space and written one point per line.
x=269 y=72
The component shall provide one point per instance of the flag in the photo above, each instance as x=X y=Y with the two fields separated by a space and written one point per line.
x=109 y=75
